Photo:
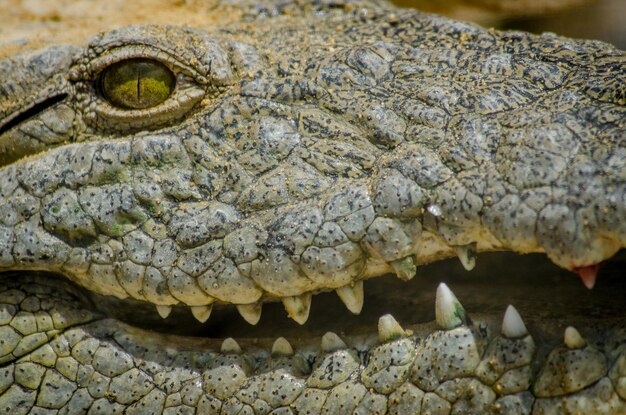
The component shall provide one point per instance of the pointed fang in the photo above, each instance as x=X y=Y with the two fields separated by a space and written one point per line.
x=298 y=307
x=389 y=329
x=331 y=342
x=467 y=255
x=230 y=346
x=281 y=347
x=164 y=310
x=449 y=312
x=404 y=268
x=202 y=312
x=352 y=296
x=513 y=326
x=573 y=339
x=251 y=312
x=588 y=275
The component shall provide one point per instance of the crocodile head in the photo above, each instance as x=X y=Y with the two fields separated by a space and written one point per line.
x=294 y=151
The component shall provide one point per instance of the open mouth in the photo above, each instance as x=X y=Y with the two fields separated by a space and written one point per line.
x=539 y=290
x=562 y=346
x=188 y=224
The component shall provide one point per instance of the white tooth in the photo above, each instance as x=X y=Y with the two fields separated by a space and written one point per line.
x=513 y=326
x=404 y=268
x=467 y=255
x=201 y=312
x=573 y=339
x=230 y=346
x=250 y=312
x=389 y=329
x=164 y=310
x=281 y=347
x=449 y=312
x=352 y=296
x=298 y=307
x=331 y=342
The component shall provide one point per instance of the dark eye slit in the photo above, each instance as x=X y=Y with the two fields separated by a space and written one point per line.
x=18 y=118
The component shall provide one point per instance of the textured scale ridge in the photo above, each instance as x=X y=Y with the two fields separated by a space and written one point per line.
x=336 y=179
x=298 y=148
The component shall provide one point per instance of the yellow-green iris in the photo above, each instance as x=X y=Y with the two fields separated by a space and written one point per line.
x=137 y=83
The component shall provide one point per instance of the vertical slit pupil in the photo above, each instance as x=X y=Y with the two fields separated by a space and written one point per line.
x=136 y=83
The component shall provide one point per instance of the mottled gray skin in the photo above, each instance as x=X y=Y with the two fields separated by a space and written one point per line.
x=304 y=149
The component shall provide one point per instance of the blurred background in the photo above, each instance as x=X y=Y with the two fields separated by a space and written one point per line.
x=600 y=19
x=27 y=24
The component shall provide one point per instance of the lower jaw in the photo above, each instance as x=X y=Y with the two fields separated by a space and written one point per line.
x=450 y=371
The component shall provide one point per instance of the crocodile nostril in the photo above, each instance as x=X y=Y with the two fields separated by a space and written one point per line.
x=18 y=117
x=9 y=149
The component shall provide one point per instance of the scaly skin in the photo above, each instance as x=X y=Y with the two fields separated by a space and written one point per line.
x=304 y=149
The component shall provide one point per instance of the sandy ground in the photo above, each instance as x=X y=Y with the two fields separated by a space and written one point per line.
x=26 y=24
x=34 y=23
x=590 y=19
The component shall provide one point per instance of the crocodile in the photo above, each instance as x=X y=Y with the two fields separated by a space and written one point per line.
x=157 y=180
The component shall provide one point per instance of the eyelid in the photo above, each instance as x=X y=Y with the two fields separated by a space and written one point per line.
x=189 y=89
x=99 y=63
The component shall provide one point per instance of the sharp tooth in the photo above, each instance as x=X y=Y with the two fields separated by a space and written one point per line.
x=573 y=339
x=281 y=347
x=352 y=296
x=230 y=346
x=298 y=307
x=467 y=255
x=250 y=312
x=389 y=329
x=164 y=310
x=201 y=312
x=588 y=275
x=513 y=326
x=331 y=342
x=449 y=312
x=404 y=268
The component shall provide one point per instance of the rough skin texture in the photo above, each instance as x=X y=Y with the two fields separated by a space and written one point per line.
x=304 y=148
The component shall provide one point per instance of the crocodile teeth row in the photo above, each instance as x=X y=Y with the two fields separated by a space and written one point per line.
x=450 y=314
x=297 y=307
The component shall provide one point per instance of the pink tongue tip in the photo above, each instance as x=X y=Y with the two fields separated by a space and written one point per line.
x=588 y=274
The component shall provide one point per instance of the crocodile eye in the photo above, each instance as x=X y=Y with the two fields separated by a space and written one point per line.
x=137 y=83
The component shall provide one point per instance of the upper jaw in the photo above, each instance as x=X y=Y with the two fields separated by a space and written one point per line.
x=230 y=205
x=110 y=224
